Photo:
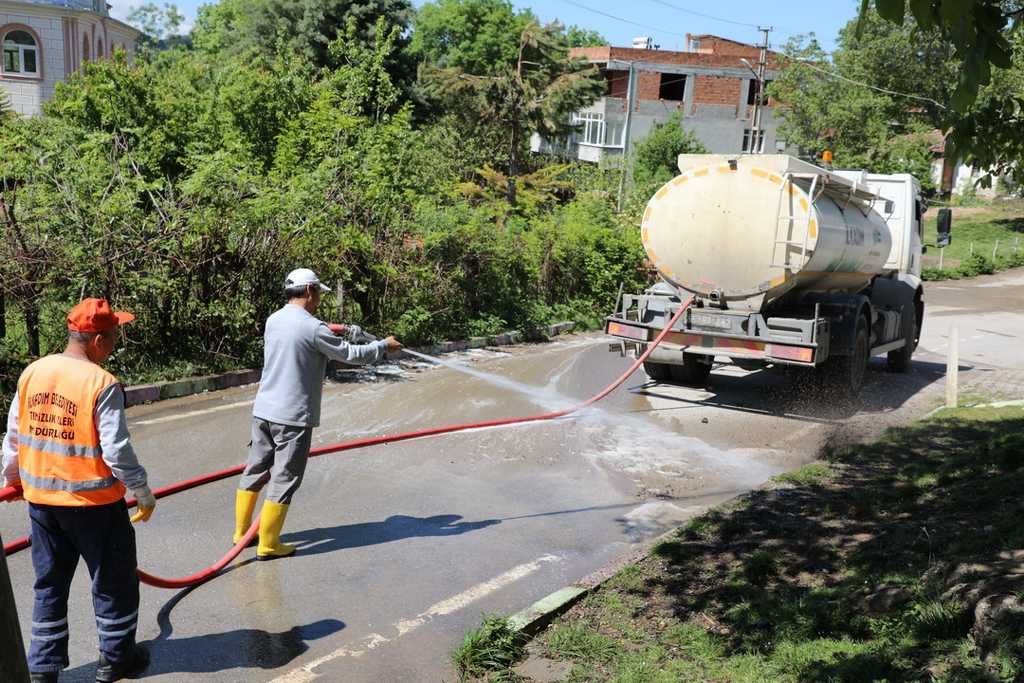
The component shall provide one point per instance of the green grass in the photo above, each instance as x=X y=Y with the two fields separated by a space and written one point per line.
x=811 y=473
x=489 y=651
x=777 y=588
x=976 y=230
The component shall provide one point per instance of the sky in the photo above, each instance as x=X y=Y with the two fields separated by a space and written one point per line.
x=664 y=20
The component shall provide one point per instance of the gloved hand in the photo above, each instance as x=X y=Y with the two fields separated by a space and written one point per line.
x=353 y=332
x=146 y=501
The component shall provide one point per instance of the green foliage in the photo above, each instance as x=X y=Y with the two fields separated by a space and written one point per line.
x=477 y=36
x=495 y=646
x=184 y=185
x=160 y=25
x=306 y=27
x=583 y=37
x=533 y=93
x=862 y=127
x=656 y=156
x=974 y=28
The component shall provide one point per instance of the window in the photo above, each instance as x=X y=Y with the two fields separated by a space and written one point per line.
x=21 y=54
x=594 y=130
x=617 y=83
x=592 y=127
x=673 y=86
x=748 y=143
x=86 y=52
x=752 y=93
x=99 y=49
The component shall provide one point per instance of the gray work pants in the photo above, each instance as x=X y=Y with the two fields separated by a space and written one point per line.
x=278 y=454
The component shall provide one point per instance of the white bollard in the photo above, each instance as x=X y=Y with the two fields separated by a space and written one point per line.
x=942 y=253
x=952 y=367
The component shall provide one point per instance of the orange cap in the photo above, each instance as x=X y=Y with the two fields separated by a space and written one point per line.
x=95 y=315
x=826 y=156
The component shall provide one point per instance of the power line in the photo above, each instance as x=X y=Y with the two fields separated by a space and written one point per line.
x=840 y=77
x=701 y=14
x=581 y=6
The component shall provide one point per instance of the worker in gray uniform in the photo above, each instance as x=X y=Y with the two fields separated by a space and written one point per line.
x=297 y=347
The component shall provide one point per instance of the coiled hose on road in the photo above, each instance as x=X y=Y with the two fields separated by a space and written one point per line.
x=211 y=571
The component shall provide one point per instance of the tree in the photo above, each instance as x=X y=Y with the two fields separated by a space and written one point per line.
x=6 y=110
x=305 y=26
x=839 y=103
x=161 y=26
x=656 y=156
x=533 y=94
x=583 y=37
x=984 y=120
x=477 y=36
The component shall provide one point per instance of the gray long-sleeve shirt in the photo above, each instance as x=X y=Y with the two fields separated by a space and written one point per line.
x=297 y=347
x=115 y=443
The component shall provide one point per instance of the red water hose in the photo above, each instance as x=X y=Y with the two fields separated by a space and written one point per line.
x=210 y=572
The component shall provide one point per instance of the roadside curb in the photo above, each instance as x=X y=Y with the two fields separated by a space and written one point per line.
x=189 y=386
x=537 y=616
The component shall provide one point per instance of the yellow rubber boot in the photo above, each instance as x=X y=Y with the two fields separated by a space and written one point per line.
x=271 y=520
x=245 y=503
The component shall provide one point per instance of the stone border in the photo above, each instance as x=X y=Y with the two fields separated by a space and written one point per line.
x=161 y=391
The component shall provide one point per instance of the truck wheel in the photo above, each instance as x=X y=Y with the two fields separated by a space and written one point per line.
x=899 y=360
x=660 y=372
x=845 y=374
x=692 y=372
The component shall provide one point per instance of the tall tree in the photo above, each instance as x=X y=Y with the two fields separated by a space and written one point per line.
x=160 y=25
x=535 y=93
x=478 y=36
x=984 y=120
x=583 y=37
x=305 y=26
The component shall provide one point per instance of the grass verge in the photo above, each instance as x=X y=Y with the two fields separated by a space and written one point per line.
x=897 y=560
x=986 y=239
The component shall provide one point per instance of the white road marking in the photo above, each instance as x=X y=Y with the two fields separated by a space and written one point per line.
x=405 y=626
x=191 y=413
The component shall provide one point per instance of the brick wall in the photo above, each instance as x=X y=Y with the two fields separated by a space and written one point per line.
x=717 y=90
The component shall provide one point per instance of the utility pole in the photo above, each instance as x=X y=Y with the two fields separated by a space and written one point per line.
x=13 y=666
x=630 y=105
x=756 y=135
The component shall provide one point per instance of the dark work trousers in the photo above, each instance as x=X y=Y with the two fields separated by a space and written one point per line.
x=103 y=536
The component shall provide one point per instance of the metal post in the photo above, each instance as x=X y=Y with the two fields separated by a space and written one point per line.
x=630 y=104
x=13 y=665
x=756 y=143
x=994 y=250
x=942 y=252
x=953 y=367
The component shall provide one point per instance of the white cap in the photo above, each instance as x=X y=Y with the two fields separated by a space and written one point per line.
x=300 y=277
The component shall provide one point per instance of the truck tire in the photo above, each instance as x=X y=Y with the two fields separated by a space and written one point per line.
x=659 y=372
x=845 y=374
x=693 y=372
x=900 y=359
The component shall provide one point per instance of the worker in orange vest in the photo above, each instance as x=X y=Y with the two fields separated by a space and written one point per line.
x=67 y=447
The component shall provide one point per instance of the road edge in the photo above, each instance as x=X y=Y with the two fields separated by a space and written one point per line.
x=189 y=386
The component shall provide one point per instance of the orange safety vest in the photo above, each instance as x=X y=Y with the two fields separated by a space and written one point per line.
x=59 y=454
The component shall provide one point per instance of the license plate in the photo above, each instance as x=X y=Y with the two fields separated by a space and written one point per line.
x=714 y=321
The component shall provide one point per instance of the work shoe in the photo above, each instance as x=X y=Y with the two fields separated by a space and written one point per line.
x=245 y=503
x=44 y=677
x=271 y=520
x=130 y=667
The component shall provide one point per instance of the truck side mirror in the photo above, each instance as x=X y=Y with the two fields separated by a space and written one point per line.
x=945 y=228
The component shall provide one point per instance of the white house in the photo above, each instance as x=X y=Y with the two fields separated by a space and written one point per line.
x=44 y=41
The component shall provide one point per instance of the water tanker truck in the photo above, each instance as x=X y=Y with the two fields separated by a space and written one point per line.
x=787 y=263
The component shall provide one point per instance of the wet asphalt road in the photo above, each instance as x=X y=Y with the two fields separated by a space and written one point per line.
x=402 y=547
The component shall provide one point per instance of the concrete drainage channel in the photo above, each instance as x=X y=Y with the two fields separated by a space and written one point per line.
x=161 y=391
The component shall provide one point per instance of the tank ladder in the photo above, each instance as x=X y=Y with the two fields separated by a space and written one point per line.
x=790 y=220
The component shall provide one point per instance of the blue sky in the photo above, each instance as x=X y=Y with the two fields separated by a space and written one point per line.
x=663 y=19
